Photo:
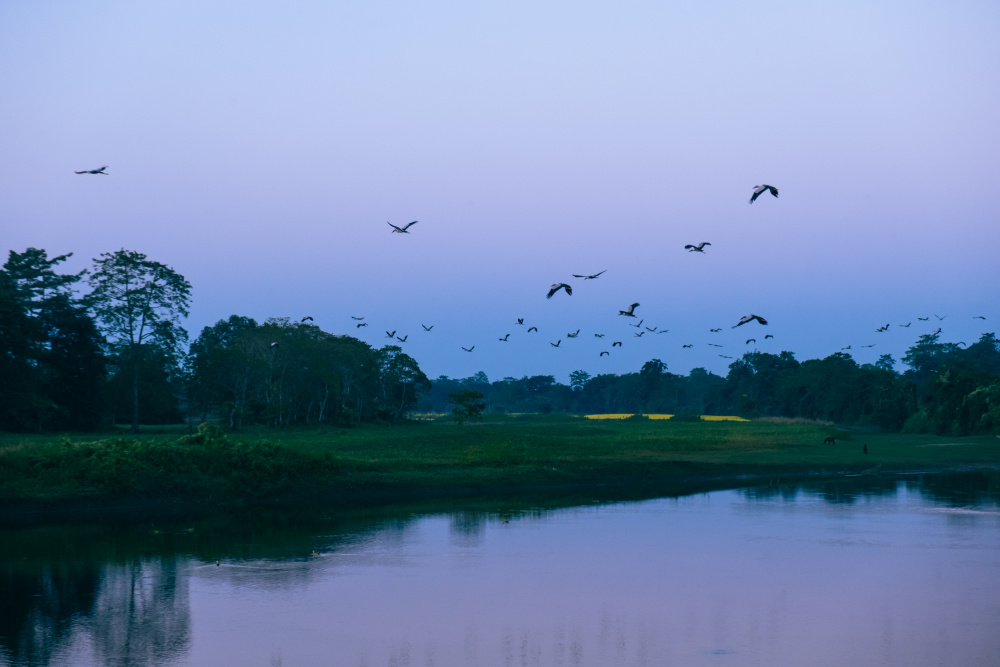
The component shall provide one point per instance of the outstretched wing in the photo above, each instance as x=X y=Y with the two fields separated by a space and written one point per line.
x=410 y=225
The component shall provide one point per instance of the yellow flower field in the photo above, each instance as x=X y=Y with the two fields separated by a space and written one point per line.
x=708 y=418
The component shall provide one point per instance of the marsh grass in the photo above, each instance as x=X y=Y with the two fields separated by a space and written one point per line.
x=431 y=456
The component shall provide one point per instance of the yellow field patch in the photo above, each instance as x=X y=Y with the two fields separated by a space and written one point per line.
x=708 y=418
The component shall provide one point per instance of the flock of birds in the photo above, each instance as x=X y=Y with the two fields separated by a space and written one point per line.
x=629 y=311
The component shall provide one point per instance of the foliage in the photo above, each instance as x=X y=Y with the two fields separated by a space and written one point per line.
x=467 y=405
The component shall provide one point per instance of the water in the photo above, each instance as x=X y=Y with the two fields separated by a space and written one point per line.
x=873 y=572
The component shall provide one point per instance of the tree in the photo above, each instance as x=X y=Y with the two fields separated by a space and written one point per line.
x=578 y=379
x=467 y=405
x=138 y=303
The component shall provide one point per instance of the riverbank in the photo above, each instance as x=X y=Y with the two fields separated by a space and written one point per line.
x=510 y=454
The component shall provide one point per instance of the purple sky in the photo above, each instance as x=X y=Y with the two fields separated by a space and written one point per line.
x=259 y=149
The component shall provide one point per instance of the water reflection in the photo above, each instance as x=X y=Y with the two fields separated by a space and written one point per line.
x=569 y=580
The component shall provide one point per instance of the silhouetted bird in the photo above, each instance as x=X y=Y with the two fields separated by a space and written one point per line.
x=962 y=343
x=639 y=335
x=630 y=312
x=637 y=325
x=603 y=353
x=401 y=230
x=617 y=343
x=574 y=334
x=306 y=319
x=469 y=349
x=558 y=286
x=390 y=334
x=715 y=330
x=751 y=340
x=687 y=345
x=749 y=318
x=846 y=348
x=939 y=317
x=93 y=171
x=978 y=317
x=274 y=345
x=520 y=320
x=653 y=330
x=882 y=328
x=715 y=345
x=357 y=318
x=906 y=325
x=697 y=248
x=872 y=345
x=556 y=344
x=530 y=329
x=362 y=324
x=936 y=331
x=588 y=277
x=758 y=190
x=766 y=336
x=725 y=356
x=663 y=331
x=598 y=335
x=504 y=339
x=426 y=328
x=923 y=319
x=403 y=339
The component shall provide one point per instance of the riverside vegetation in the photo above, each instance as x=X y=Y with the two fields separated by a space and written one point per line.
x=505 y=453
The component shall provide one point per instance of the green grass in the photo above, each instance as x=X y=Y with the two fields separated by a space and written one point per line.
x=435 y=457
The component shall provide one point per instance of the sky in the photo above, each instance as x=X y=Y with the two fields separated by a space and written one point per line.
x=260 y=148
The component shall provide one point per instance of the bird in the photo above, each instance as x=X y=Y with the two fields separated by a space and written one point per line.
x=94 y=171
x=715 y=330
x=882 y=328
x=530 y=329
x=653 y=330
x=846 y=348
x=574 y=334
x=556 y=344
x=725 y=356
x=588 y=277
x=715 y=345
x=400 y=230
x=357 y=318
x=939 y=317
x=766 y=336
x=603 y=353
x=617 y=343
x=558 y=286
x=962 y=343
x=697 y=248
x=520 y=320
x=749 y=318
x=758 y=190
x=274 y=345
x=661 y=331
x=630 y=312
x=936 y=331
x=637 y=325
x=598 y=335
x=390 y=334
x=504 y=339
x=307 y=318
x=403 y=339
x=751 y=340
x=427 y=328
x=978 y=317
x=906 y=325
x=687 y=345
x=639 y=335
x=362 y=324
x=469 y=349
x=923 y=319
x=872 y=345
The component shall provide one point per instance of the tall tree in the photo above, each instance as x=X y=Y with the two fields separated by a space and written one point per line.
x=138 y=302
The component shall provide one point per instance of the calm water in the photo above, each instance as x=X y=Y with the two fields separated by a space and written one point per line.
x=849 y=573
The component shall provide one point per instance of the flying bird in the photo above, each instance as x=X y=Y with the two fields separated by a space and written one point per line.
x=427 y=328
x=758 y=190
x=617 y=343
x=598 y=335
x=766 y=336
x=639 y=335
x=630 y=312
x=530 y=329
x=872 y=345
x=93 y=171
x=697 y=248
x=573 y=335
x=558 y=286
x=936 y=331
x=846 y=348
x=400 y=230
x=882 y=328
x=687 y=345
x=504 y=339
x=715 y=330
x=306 y=318
x=923 y=319
x=520 y=320
x=274 y=345
x=362 y=324
x=603 y=353
x=978 y=317
x=556 y=344
x=725 y=356
x=588 y=277
x=939 y=317
x=962 y=343
x=751 y=340
x=663 y=331
x=637 y=325
x=749 y=318
x=403 y=339
x=906 y=325
x=653 y=330
x=390 y=334
x=357 y=318
x=715 y=345
x=469 y=349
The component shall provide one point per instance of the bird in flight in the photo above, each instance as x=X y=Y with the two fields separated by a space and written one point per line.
x=939 y=317
x=687 y=345
x=400 y=230
x=663 y=331
x=403 y=339
x=766 y=336
x=697 y=248
x=588 y=277
x=637 y=325
x=573 y=335
x=630 y=312
x=936 y=331
x=520 y=320
x=556 y=344
x=978 y=317
x=653 y=330
x=846 y=348
x=530 y=329
x=94 y=171
x=758 y=190
x=504 y=339
x=872 y=345
x=882 y=328
x=307 y=319
x=391 y=334
x=751 y=340
x=558 y=286
x=357 y=318
x=725 y=356
x=617 y=343
x=906 y=325
x=598 y=335
x=603 y=353
x=715 y=330
x=427 y=328
x=749 y=318
x=715 y=345
x=469 y=349
x=923 y=319
x=362 y=324
x=639 y=335
x=274 y=345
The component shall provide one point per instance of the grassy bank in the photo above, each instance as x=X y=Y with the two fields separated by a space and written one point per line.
x=440 y=457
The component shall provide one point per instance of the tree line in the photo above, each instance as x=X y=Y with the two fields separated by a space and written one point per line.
x=119 y=355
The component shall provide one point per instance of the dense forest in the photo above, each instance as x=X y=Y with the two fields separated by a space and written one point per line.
x=119 y=355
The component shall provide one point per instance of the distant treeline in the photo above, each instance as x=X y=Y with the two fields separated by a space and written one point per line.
x=948 y=389
x=118 y=355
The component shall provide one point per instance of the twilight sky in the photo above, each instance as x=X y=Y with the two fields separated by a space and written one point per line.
x=259 y=148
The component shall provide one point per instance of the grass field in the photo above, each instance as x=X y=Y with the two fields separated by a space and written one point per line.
x=430 y=457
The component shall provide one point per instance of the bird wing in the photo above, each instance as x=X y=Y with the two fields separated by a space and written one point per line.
x=774 y=190
x=393 y=226
x=552 y=290
x=410 y=225
x=569 y=290
x=756 y=193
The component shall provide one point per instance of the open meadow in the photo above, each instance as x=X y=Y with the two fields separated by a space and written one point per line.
x=506 y=454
